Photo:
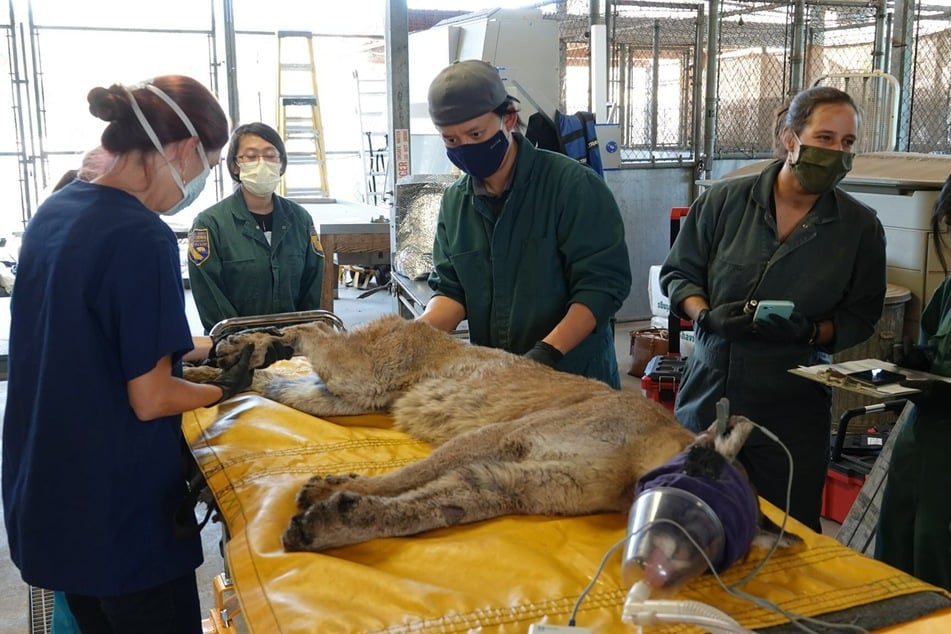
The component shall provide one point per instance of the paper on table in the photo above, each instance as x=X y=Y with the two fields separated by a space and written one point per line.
x=834 y=376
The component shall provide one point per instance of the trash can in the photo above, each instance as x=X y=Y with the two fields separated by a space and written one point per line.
x=888 y=332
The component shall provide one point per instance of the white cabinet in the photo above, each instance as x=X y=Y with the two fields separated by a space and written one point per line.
x=902 y=188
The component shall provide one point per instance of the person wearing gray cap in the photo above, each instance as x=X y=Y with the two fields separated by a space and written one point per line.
x=529 y=244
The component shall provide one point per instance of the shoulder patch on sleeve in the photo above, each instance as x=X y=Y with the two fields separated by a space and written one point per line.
x=199 y=246
x=315 y=242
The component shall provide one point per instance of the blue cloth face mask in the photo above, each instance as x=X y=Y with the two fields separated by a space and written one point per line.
x=480 y=159
x=193 y=189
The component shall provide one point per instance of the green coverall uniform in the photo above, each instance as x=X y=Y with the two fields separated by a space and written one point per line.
x=914 y=528
x=234 y=272
x=832 y=266
x=559 y=239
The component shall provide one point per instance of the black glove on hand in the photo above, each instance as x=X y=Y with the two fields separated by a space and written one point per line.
x=728 y=320
x=795 y=329
x=237 y=378
x=268 y=330
x=545 y=354
x=929 y=389
x=276 y=350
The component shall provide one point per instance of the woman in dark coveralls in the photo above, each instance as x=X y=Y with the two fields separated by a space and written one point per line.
x=914 y=526
x=786 y=233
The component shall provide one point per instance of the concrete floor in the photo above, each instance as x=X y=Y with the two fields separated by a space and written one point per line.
x=14 y=615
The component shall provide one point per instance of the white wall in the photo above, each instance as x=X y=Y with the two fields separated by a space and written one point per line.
x=645 y=197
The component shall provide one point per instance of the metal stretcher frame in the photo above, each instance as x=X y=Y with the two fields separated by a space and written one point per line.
x=500 y=575
x=231 y=325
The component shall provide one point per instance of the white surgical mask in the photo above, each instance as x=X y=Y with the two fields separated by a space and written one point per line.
x=260 y=178
x=193 y=189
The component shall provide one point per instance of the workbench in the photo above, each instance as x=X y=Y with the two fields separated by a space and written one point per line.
x=369 y=241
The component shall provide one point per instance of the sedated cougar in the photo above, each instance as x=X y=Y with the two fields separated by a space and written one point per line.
x=511 y=436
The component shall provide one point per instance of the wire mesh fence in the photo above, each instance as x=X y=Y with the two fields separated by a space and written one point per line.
x=766 y=51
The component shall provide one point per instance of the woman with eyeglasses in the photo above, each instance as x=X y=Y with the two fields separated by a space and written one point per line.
x=255 y=252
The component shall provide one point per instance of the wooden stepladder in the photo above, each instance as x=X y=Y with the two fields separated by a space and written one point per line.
x=298 y=119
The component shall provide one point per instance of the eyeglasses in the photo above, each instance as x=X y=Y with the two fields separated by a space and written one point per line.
x=253 y=157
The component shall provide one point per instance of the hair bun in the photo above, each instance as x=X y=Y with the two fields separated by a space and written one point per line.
x=108 y=104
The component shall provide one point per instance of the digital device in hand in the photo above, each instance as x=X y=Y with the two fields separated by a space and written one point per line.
x=766 y=307
x=876 y=377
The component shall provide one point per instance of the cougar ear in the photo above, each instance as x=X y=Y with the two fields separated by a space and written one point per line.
x=706 y=438
x=729 y=444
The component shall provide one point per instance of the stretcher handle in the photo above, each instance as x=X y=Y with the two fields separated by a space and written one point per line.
x=895 y=406
x=234 y=324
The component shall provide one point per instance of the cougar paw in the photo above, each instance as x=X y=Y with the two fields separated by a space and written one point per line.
x=269 y=346
x=296 y=537
x=320 y=488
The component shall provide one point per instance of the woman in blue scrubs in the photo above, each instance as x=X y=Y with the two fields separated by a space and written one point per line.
x=92 y=464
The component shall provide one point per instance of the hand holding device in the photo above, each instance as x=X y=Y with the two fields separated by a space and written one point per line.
x=728 y=320
x=767 y=307
x=795 y=328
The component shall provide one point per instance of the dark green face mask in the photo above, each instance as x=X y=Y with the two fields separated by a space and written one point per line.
x=820 y=169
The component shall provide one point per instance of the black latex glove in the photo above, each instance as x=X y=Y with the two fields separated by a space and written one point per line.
x=929 y=390
x=237 y=378
x=913 y=357
x=728 y=320
x=795 y=329
x=545 y=354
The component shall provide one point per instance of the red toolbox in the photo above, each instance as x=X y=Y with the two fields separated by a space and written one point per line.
x=840 y=490
x=851 y=460
x=661 y=379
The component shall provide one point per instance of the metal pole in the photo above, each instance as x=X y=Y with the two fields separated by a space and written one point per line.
x=878 y=46
x=797 y=59
x=903 y=42
x=594 y=17
x=624 y=85
x=231 y=63
x=396 y=51
x=598 y=63
x=710 y=114
x=655 y=85
x=20 y=85
x=889 y=25
x=698 y=89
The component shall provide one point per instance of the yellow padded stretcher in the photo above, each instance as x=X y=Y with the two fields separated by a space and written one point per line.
x=494 y=576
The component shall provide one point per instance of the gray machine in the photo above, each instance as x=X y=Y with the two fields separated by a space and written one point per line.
x=524 y=47
x=519 y=42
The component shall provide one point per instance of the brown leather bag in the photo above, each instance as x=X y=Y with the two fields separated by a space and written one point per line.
x=646 y=344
